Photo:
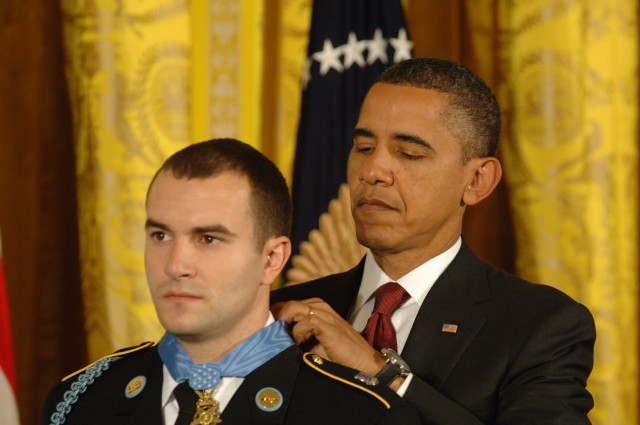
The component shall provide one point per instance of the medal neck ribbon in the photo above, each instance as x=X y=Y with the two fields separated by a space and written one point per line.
x=252 y=353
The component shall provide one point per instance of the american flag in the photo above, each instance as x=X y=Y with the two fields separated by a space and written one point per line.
x=8 y=406
x=350 y=43
x=448 y=327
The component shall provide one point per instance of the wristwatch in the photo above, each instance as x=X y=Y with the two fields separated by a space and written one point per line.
x=394 y=368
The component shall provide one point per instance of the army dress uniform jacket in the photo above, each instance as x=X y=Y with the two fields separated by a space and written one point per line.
x=314 y=391
x=521 y=352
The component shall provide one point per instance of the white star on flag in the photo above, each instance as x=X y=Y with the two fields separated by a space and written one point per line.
x=377 y=48
x=329 y=58
x=402 y=46
x=353 y=52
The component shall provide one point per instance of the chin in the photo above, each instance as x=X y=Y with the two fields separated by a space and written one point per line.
x=178 y=326
x=376 y=241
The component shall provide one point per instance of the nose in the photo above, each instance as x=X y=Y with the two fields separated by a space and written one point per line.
x=376 y=168
x=180 y=262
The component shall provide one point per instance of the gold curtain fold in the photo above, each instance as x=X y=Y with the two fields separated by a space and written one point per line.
x=246 y=64
x=127 y=67
x=288 y=41
x=226 y=73
x=567 y=73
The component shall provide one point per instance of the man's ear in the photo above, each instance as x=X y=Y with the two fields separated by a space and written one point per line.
x=276 y=253
x=488 y=172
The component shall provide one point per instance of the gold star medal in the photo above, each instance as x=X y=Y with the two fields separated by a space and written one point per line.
x=207 y=409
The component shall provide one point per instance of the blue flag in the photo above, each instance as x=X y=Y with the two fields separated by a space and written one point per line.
x=350 y=43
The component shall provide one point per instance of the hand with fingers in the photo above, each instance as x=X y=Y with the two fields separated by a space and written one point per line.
x=319 y=329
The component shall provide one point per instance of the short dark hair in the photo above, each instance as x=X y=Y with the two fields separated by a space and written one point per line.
x=473 y=114
x=270 y=199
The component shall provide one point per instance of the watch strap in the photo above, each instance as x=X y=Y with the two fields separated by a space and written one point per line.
x=388 y=373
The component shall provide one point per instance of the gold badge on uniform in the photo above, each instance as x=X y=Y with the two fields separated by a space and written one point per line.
x=207 y=409
x=269 y=399
x=135 y=386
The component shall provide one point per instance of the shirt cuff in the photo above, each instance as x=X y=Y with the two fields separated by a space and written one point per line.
x=403 y=388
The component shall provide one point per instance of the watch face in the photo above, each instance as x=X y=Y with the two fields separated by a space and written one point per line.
x=395 y=359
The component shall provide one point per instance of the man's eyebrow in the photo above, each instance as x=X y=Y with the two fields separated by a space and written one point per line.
x=401 y=137
x=151 y=223
x=362 y=132
x=216 y=228
x=412 y=138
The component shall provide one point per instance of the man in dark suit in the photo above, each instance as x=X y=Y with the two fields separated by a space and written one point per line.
x=218 y=219
x=476 y=345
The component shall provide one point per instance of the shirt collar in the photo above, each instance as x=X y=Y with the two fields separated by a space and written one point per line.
x=417 y=282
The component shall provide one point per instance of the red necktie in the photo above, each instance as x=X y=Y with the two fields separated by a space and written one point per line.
x=379 y=331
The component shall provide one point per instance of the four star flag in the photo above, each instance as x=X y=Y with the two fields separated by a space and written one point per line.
x=8 y=408
x=350 y=43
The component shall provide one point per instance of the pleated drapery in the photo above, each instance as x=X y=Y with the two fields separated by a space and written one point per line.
x=568 y=75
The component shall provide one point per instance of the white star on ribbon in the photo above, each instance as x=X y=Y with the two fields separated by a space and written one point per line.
x=377 y=48
x=353 y=51
x=402 y=46
x=329 y=58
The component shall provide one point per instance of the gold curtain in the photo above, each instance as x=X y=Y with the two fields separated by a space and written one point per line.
x=568 y=88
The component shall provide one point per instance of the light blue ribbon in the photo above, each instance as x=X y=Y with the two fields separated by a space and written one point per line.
x=252 y=353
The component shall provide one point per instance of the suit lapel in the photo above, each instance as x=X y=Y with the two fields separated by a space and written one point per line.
x=343 y=290
x=279 y=373
x=431 y=352
x=338 y=290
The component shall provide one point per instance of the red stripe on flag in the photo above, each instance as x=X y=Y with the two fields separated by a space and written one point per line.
x=6 y=345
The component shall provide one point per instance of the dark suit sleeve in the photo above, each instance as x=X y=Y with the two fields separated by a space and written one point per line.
x=546 y=382
x=400 y=415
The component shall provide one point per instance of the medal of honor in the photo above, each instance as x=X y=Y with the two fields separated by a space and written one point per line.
x=207 y=409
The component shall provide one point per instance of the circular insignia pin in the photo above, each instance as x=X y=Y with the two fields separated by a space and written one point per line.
x=135 y=386
x=269 y=399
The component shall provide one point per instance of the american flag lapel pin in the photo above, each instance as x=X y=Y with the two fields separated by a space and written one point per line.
x=450 y=328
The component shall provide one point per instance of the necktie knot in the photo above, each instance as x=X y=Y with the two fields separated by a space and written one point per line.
x=379 y=331
x=389 y=297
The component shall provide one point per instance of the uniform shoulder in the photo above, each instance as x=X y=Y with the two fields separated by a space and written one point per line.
x=351 y=377
x=117 y=355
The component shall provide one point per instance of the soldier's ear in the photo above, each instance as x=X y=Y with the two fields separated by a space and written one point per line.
x=276 y=253
x=485 y=178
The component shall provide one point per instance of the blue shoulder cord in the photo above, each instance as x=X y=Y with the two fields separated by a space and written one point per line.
x=71 y=396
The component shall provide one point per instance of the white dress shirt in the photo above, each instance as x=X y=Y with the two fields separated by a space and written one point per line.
x=223 y=394
x=417 y=283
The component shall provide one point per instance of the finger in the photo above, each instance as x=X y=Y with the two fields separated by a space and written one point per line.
x=303 y=334
x=291 y=311
x=305 y=329
x=319 y=350
x=276 y=307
